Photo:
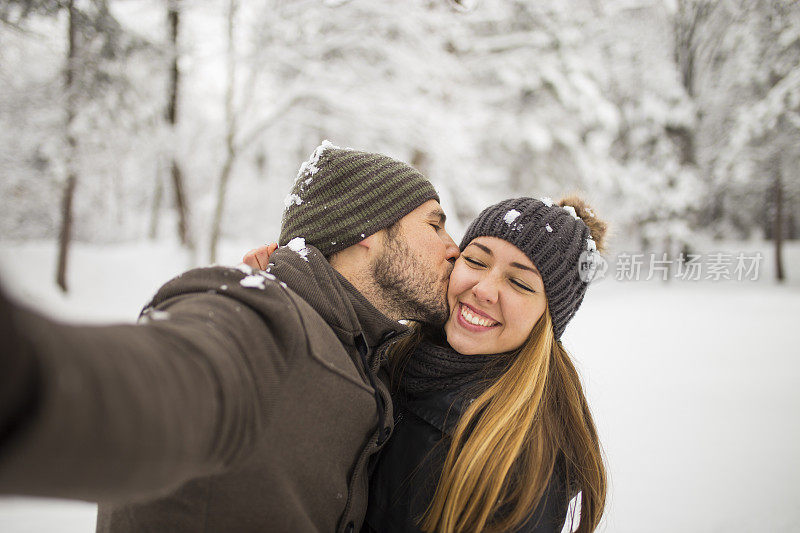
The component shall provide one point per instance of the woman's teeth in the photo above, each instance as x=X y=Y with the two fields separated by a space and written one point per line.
x=475 y=319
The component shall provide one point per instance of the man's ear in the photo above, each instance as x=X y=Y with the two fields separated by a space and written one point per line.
x=374 y=241
x=353 y=254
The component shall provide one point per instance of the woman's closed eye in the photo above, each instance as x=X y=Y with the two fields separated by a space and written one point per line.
x=473 y=261
x=521 y=285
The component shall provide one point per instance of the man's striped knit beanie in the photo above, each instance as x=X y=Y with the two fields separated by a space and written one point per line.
x=556 y=239
x=342 y=196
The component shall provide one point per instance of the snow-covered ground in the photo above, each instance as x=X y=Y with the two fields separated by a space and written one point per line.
x=694 y=385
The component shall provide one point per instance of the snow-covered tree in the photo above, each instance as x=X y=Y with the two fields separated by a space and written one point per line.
x=667 y=114
x=754 y=165
x=81 y=96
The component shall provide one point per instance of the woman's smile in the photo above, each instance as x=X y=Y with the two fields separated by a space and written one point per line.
x=474 y=320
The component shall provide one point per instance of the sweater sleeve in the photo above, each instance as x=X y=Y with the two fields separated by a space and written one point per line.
x=117 y=412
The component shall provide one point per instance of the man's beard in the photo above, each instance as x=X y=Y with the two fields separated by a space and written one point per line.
x=409 y=288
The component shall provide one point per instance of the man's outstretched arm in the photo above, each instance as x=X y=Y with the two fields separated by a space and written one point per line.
x=19 y=383
x=115 y=412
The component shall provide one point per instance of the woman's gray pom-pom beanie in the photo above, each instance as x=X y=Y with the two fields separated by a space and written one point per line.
x=555 y=238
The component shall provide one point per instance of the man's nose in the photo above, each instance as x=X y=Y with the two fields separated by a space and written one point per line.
x=451 y=248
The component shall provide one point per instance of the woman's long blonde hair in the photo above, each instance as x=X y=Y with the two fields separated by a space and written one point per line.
x=505 y=446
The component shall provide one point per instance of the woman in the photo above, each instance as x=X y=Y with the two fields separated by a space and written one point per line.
x=493 y=432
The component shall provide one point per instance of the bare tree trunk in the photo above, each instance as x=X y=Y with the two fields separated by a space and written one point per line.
x=230 y=133
x=686 y=28
x=181 y=204
x=65 y=235
x=216 y=228
x=777 y=232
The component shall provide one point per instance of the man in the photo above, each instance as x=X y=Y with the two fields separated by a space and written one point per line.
x=246 y=400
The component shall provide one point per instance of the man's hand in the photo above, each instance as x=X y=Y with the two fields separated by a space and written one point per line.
x=259 y=257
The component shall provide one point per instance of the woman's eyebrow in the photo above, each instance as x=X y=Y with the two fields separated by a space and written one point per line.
x=514 y=264
x=482 y=247
x=525 y=267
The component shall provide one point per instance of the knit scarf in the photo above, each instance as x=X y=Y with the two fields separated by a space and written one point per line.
x=435 y=367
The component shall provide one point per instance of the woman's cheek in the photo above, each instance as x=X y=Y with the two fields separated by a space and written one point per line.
x=535 y=312
x=519 y=312
x=459 y=281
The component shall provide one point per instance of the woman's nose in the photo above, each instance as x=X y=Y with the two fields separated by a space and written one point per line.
x=486 y=290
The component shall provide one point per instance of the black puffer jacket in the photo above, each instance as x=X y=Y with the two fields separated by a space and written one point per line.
x=405 y=477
